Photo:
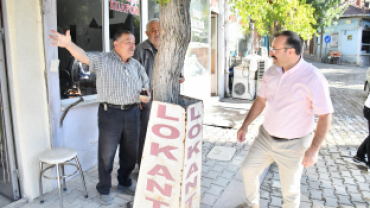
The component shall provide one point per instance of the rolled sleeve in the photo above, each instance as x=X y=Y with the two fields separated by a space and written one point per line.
x=321 y=101
x=144 y=78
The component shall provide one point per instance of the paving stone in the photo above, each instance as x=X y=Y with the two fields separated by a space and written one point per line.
x=209 y=199
x=227 y=174
x=361 y=204
x=276 y=201
x=348 y=180
x=276 y=184
x=304 y=189
x=328 y=192
x=364 y=186
x=218 y=168
x=360 y=179
x=366 y=195
x=206 y=182
x=264 y=203
x=212 y=174
x=356 y=197
x=215 y=190
x=316 y=194
x=305 y=198
x=233 y=168
x=223 y=182
x=313 y=185
x=351 y=188
x=331 y=202
x=305 y=205
x=318 y=204
x=264 y=194
x=356 y=172
x=344 y=200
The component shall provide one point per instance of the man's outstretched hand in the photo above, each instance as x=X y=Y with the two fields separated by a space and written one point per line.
x=60 y=40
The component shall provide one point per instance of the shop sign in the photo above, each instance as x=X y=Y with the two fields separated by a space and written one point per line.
x=129 y=6
x=170 y=171
x=334 y=39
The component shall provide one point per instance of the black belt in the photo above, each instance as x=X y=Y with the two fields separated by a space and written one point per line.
x=122 y=107
x=282 y=138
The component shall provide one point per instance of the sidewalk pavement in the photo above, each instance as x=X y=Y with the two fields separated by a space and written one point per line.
x=335 y=181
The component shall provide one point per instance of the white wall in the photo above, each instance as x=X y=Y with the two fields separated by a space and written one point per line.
x=27 y=86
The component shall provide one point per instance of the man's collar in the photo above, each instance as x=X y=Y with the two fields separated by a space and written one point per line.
x=118 y=57
x=293 y=69
x=148 y=45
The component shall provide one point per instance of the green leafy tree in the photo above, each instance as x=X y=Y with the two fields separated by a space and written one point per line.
x=325 y=11
x=295 y=15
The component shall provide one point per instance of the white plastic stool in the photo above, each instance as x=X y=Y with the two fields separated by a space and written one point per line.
x=59 y=157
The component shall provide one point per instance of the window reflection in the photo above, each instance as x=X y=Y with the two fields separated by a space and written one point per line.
x=84 y=20
x=124 y=15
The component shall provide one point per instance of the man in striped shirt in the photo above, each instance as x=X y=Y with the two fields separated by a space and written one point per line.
x=119 y=81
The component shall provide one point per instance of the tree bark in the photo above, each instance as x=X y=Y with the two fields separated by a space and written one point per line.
x=175 y=35
x=321 y=41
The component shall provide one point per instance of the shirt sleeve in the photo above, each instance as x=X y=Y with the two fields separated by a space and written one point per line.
x=321 y=101
x=144 y=78
x=95 y=61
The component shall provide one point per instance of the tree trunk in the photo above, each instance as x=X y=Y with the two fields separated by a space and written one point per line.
x=251 y=39
x=175 y=35
x=321 y=41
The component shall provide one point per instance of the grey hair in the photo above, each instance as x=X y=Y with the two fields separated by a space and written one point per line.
x=150 y=22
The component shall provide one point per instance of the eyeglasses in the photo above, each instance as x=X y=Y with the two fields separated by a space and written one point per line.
x=274 y=50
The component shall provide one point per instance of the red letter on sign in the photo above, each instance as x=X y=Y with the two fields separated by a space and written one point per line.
x=165 y=172
x=193 y=149
x=162 y=113
x=190 y=200
x=192 y=185
x=166 y=150
x=198 y=128
x=123 y=8
x=111 y=5
x=193 y=117
x=174 y=132
x=193 y=168
x=167 y=188
x=137 y=12
x=157 y=204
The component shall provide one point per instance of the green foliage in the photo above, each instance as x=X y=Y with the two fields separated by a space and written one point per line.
x=163 y=2
x=293 y=15
x=326 y=11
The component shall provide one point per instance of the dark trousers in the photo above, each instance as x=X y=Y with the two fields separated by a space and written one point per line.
x=117 y=127
x=144 y=118
x=365 y=146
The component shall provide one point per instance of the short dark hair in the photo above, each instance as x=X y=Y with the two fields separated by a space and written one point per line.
x=293 y=40
x=119 y=33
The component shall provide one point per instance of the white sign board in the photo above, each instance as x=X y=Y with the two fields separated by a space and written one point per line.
x=171 y=157
x=191 y=182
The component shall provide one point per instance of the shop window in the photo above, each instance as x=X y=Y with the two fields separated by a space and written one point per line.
x=154 y=9
x=84 y=20
x=124 y=15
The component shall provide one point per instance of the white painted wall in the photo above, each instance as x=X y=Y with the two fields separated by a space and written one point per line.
x=27 y=86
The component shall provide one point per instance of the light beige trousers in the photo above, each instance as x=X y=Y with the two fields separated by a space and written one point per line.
x=288 y=154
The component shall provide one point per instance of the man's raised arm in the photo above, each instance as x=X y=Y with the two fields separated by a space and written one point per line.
x=64 y=41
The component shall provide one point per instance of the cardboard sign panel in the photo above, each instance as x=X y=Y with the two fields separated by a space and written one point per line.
x=192 y=174
x=163 y=158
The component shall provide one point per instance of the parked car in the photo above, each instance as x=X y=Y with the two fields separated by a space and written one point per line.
x=367 y=82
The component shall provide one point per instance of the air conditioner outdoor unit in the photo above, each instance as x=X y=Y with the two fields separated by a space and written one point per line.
x=248 y=76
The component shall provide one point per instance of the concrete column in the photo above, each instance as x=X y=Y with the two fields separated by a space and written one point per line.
x=24 y=40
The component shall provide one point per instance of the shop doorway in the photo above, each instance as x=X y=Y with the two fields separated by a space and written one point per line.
x=214 y=54
x=9 y=190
